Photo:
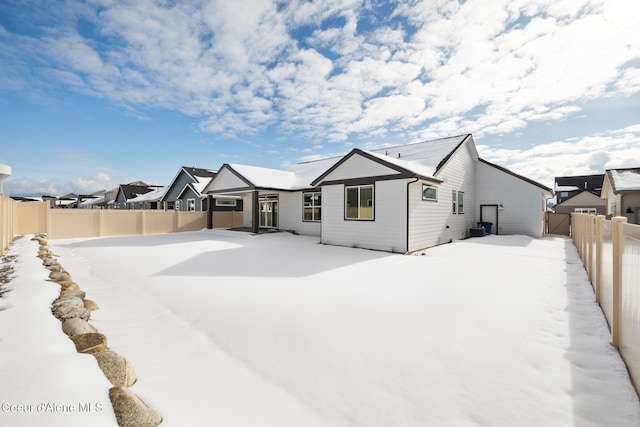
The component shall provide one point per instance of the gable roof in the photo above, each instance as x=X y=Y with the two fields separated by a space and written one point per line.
x=198 y=172
x=584 y=194
x=405 y=168
x=524 y=178
x=297 y=177
x=627 y=179
x=579 y=182
x=131 y=191
x=153 y=195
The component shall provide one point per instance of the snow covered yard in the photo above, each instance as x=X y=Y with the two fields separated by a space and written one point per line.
x=228 y=329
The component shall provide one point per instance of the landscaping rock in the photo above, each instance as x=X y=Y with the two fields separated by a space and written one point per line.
x=72 y=293
x=90 y=305
x=55 y=267
x=70 y=307
x=117 y=368
x=59 y=276
x=90 y=343
x=68 y=285
x=130 y=411
x=76 y=326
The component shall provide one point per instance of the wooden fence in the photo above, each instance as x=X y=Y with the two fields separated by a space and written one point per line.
x=610 y=251
x=37 y=217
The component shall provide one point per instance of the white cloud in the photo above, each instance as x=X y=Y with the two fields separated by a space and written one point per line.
x=321 y=70
x=24 y=186
x=591 y=154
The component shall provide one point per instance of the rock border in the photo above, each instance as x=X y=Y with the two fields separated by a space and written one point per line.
x=73 y=310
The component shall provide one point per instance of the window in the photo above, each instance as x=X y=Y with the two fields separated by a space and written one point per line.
x=457 y=202
x=191 y=205
x=177 y=205
x=454 y=201
x=586 y=210
x=359 y=202
x=429 y=193
x=226 y=202
x=169 y=206
x=312 y=206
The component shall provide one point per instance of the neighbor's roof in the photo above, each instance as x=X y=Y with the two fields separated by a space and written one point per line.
x=151 y=194
x=624 y=179
x=199 y=172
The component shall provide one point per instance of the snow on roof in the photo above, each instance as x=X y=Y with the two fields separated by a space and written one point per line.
x=151 y=196
x=412 y=166
x=422 y=158
x=297 y=177
x=201 y=183
x=427 y=153
x=566 y=188
x=92 y=201
x=626 y=179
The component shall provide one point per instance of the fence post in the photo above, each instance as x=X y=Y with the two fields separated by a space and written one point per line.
x=599 y=224
x=618 y=247
x=590 y=219
x=100 y=222
x=143 y=222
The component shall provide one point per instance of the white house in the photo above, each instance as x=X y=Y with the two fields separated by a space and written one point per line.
x=396 y=199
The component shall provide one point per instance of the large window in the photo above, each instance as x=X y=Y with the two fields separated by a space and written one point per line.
x=312 y=206
x=191 y=205
x=359 y=202
x=460 y=202
x=429 y=193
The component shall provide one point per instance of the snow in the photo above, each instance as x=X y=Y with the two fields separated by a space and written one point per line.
x=151 y=196
x=626 y=180
x=226 y=328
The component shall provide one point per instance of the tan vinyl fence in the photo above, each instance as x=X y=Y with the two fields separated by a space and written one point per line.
x=7 y=222
x=610 y=251
x=38 y=217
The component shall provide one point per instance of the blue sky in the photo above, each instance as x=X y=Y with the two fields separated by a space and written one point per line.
x=100 y=92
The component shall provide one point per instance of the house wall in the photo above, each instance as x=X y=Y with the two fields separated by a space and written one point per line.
x=524 y=203
x=176 y=188
x=432 y=223
x=190 y=194
x=613 y=201
x=357 y=167
x=291 y=215
x=631 y=200
x=386 y=232
x=247 y=202
x=582 y=200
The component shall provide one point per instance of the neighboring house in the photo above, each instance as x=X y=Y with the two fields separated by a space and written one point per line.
x=394 y=199
x=583 y=202
x=127 y=192
x=567 y=187
x=149 y=200
x=185 y=192
x=621 y=190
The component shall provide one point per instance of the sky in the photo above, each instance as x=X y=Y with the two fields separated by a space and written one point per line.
x=98 y=93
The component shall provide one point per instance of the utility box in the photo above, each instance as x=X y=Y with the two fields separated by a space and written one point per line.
x=477 y=232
